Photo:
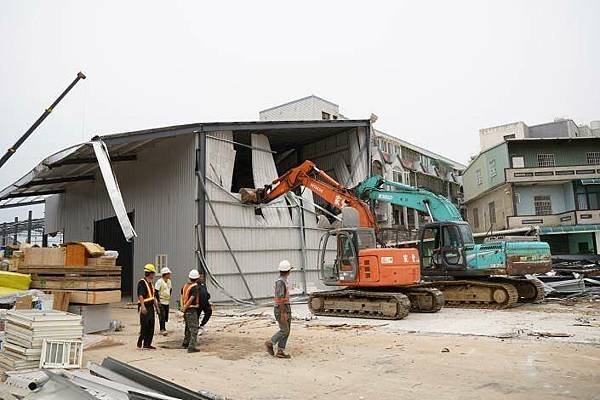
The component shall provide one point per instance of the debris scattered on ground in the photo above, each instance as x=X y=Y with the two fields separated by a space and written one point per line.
x=445 y=350
x=550 y=334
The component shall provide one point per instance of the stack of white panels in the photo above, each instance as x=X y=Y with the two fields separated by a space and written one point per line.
x=26 y=330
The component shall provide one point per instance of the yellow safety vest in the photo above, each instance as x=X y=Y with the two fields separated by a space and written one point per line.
x=164 y=293
x=150 y=290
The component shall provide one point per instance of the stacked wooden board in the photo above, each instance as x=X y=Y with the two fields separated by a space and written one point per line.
x=85 y=284
x=77 y=271
x=25 y=331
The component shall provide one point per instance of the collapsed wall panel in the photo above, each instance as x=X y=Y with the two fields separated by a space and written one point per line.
x=220 y=167
x=257 y=245
x=265 y=172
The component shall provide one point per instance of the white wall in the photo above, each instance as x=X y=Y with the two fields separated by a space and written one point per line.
x=160 y=188
x=309 y=108
x=489 y=137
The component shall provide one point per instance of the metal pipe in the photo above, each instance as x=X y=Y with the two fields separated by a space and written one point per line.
x=16 y=231
x=29 y=217
x=240 y=144
x=12 y=150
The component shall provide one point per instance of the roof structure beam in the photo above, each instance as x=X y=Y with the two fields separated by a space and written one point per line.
x=92 y=160
x=65 y=179
x=32 y=194
x=22 y=204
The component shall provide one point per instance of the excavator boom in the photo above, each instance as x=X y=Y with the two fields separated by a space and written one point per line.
x=319 y=182
x=438 y=207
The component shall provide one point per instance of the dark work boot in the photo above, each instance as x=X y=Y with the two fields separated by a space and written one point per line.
x=269 y=346
x=281 y=354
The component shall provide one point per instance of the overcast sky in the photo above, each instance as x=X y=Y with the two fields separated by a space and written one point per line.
x=434 y=72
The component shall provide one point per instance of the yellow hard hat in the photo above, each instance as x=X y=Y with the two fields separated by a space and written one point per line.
x=149 y=268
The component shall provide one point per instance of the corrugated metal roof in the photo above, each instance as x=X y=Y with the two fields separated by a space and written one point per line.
x=78 y=162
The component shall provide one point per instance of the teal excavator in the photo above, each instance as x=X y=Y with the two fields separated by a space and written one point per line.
x=488 y=275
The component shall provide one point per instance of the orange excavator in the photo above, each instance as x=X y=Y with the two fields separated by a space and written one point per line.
x=379 y=282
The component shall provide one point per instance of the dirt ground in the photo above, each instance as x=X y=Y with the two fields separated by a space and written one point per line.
x=549 y=351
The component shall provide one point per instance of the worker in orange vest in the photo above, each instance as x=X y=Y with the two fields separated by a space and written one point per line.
x=146 y=305
x=283 y=312
x=190 y=301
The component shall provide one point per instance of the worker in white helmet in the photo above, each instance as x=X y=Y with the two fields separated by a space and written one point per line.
x=190 y=301
x=283 y=312
x=163 y=289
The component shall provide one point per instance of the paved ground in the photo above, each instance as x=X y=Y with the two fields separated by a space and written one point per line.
x=548 y=351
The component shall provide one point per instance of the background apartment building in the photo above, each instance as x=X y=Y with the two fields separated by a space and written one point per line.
x=545 y=175
x=391 y=157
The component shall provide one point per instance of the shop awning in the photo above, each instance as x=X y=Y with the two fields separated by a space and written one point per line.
x=556 y=230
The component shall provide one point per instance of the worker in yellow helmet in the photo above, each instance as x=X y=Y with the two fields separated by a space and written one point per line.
x=146 y=305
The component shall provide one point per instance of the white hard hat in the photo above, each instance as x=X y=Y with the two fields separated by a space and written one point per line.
x=194 y=274
x=165 y=270
x=285 y=266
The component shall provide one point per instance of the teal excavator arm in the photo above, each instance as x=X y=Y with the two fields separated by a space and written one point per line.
x=438 y=207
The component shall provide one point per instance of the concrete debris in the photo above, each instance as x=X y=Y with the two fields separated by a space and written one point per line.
x=550 y=334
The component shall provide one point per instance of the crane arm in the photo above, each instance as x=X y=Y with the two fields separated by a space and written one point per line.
x=321 y=184
x=438 y=207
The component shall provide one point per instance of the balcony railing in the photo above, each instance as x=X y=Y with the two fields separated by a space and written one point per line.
x=564 y=219
x=544 y=174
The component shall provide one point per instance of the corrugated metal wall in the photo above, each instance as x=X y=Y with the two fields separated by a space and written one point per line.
x=160 y=187
x=258 y=248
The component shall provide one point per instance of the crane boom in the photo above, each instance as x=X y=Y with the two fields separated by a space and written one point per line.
x=321 y=184
x=438 y=207
x=13 y=149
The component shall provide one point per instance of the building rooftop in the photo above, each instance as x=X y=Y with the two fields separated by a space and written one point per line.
x=78 y=163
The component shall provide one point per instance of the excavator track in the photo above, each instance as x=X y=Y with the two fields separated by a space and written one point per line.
x=359 y=304
x=529 y=290
x=477 y=294
x=425 y=299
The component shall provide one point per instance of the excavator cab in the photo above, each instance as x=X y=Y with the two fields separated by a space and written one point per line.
x=442 y=247
x=338 y=253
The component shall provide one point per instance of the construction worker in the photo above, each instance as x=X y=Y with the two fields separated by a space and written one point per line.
x=164 y=288
x=146 y=305
x=205 y=306
x=283 y=312
x=190 y=301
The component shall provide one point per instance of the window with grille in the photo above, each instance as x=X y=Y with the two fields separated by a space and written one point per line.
x=478 y=177
x=161 y=261
x=476 y=218
x=492 y=211
x=545 y=160
x=492 y=168
x=593 y=157
x=543 y=205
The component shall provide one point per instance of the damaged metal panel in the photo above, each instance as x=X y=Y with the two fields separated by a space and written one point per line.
x=220 y=166
x=112 y=187
x=264 y=172
x=54 y=217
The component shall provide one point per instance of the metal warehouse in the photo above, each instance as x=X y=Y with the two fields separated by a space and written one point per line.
x=180 y=188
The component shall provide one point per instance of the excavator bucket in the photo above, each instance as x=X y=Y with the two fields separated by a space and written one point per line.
x=251 y=196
